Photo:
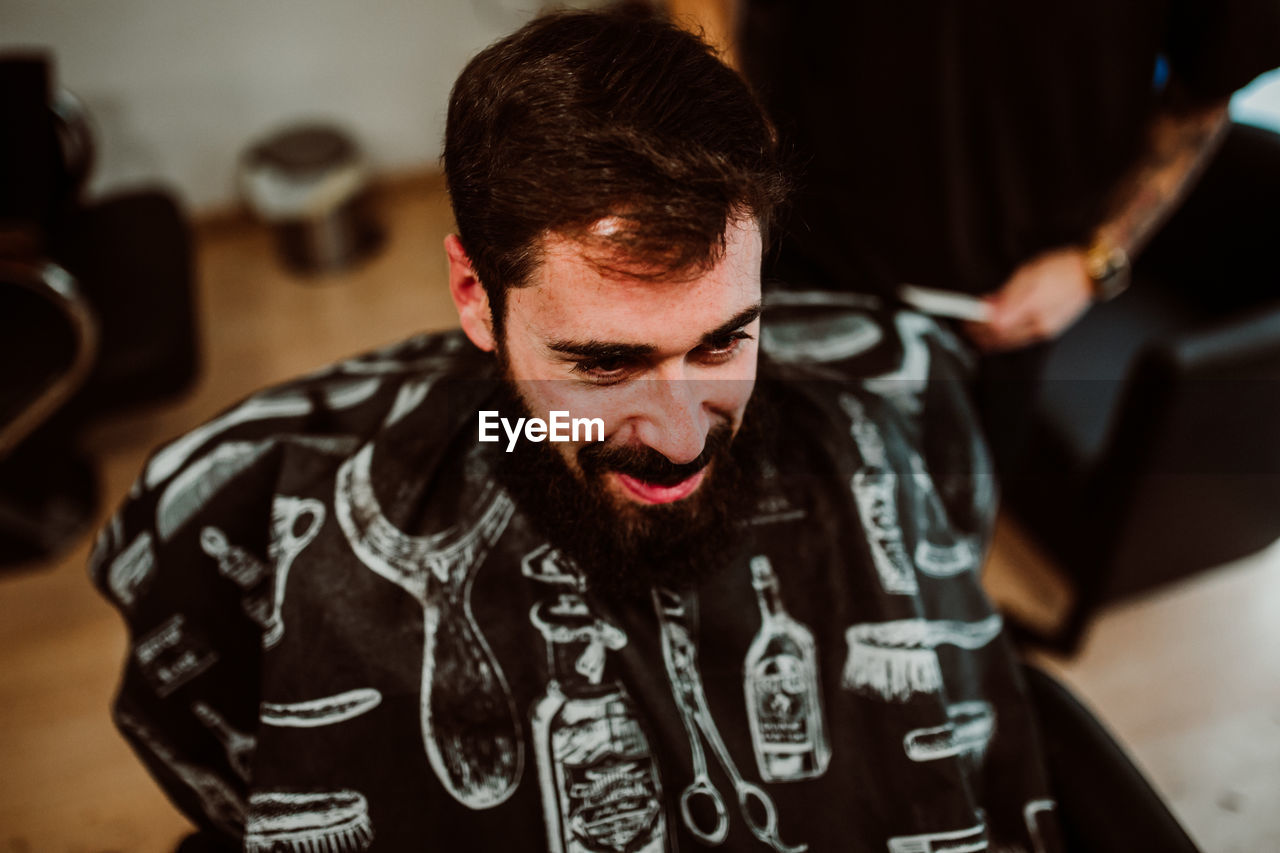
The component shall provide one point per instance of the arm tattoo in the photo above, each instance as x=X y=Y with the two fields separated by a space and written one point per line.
x=1179 y=147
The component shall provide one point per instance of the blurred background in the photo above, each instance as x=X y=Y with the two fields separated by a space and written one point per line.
x=198 y=199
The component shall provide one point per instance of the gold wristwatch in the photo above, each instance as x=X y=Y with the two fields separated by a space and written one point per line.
x=1108 y=269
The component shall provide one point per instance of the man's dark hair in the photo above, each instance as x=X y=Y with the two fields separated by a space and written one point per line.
x=583 y=115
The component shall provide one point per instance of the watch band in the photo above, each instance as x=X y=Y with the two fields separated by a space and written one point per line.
x=1108 y=268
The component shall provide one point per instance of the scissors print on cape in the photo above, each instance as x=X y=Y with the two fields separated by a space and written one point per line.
x=677 y=617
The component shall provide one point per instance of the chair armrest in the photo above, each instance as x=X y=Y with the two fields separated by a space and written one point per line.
x=56 y=285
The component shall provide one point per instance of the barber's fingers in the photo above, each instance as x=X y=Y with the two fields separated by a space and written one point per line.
x=991 y=339
x=1013 y=317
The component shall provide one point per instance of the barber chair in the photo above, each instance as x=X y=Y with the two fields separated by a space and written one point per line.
x=96 y=310
x=1105 y=804
x=48 y=344
x=1154 y=448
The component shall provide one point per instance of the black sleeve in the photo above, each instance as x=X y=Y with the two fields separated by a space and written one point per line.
x=1215 y=47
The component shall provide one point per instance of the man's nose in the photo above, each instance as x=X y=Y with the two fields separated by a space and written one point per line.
x=674 y=421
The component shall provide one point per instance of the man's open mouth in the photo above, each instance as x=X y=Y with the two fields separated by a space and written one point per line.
x=659 y=494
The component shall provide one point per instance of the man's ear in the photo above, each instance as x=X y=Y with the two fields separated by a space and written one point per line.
x=469 y=296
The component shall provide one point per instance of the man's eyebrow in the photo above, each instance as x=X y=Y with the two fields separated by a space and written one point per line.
x=604 y=350
x=742 y=318
x=601 y=350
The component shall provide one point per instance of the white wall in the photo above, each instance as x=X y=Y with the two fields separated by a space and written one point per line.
x=179 y=87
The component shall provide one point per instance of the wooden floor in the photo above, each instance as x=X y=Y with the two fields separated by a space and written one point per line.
x=1189 y=678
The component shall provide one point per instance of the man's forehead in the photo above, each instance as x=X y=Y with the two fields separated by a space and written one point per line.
x=574 y=296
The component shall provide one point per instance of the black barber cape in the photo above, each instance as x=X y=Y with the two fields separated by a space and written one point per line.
x=345 y=636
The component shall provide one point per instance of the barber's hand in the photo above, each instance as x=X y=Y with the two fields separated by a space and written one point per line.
x=1042 y=298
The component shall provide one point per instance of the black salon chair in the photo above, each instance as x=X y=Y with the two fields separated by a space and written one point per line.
x=1105 y=804
x=48 y=345
x=96 y=309
x=1154 y=451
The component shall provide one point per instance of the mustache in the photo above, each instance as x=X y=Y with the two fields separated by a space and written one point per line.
x=650 y=466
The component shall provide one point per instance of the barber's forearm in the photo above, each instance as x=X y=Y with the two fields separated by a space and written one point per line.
x=1179 y=146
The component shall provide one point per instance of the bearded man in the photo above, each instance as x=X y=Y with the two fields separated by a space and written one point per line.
x=744 y=615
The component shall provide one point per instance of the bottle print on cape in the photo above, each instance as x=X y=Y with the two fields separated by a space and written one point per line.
x=600 y=787
x=780 y=680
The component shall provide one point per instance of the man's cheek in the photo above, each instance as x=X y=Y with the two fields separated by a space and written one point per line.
x=730 y=397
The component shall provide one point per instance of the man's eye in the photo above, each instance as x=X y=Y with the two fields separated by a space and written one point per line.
x=603 y=371
x=722 y=349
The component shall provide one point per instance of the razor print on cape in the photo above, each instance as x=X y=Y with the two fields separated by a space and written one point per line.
x=599 y=782
x=308 y=822
x=897 y=660
x=325 y=711
x=262 y=602
x=287 y=542
x=971 y=840
x=469 y=723
x=677 y=618
x=968 y=731
x=239 y=746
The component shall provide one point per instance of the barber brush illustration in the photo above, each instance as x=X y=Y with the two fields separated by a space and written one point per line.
x=600 y=785
x=780 y=679
x=469 y=722
x=897 y=660
x=308 y=822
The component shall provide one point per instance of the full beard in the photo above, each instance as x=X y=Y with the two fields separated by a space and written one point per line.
x=623 y=548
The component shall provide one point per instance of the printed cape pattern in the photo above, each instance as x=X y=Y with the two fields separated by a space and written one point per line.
x=346 y=636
